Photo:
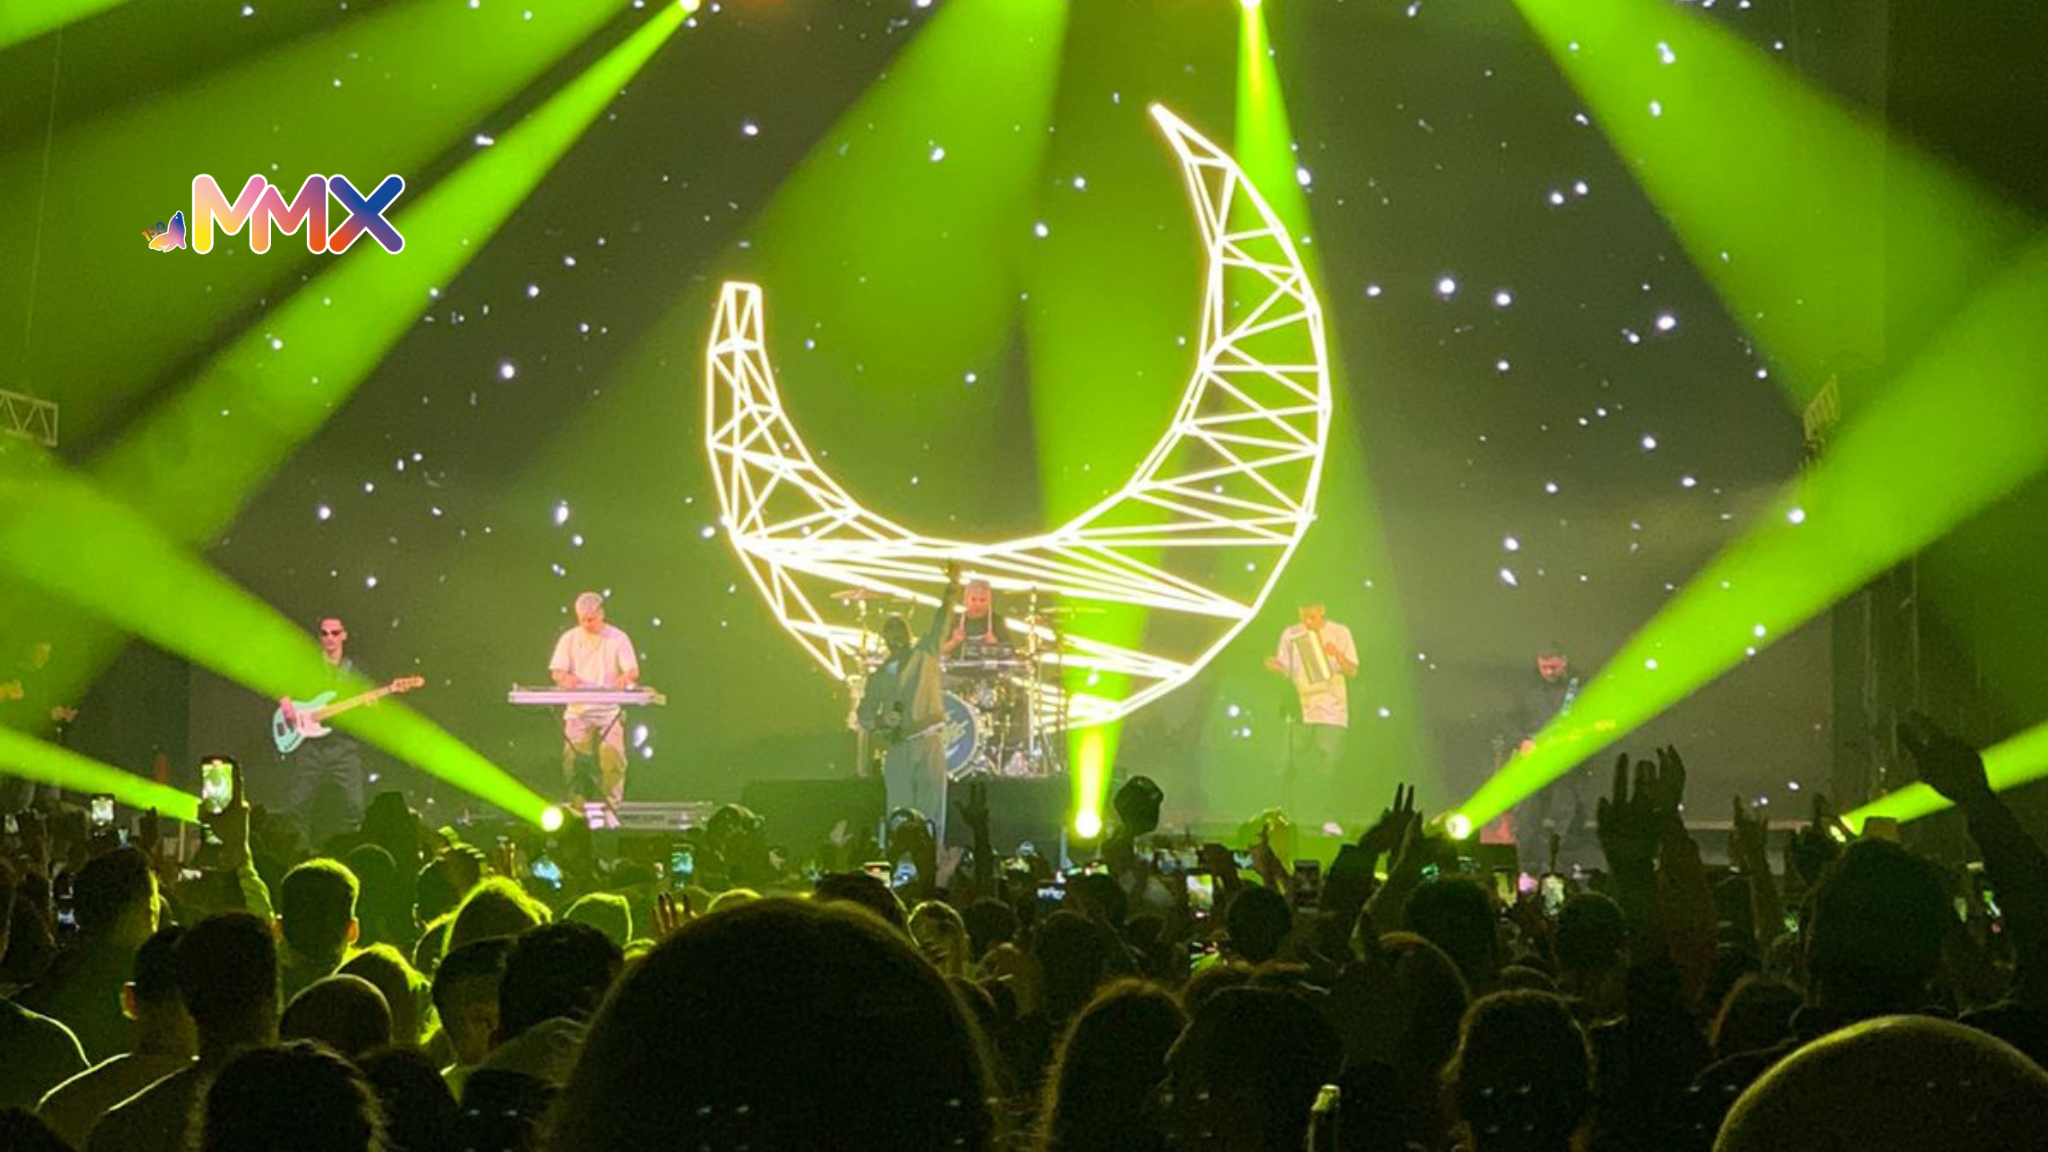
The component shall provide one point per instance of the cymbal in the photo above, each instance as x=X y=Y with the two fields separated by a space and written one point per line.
x=1046 y=611
x=864 y=595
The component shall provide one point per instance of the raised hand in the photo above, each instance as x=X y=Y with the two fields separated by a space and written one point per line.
x=1631 y=824
x=1815 y=846
x=1749 y=840
x=671 y=913
x=1948 y=765
x=1385 y=833
x=1667 y=787
x=974 y=810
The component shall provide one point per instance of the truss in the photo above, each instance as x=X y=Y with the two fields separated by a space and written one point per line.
x=28 y=417
x=1197 y=536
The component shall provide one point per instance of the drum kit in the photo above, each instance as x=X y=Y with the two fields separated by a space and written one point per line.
x=1005 y=688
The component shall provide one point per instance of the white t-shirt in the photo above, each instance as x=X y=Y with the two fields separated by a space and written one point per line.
x=598 y=661
x=1322 y=701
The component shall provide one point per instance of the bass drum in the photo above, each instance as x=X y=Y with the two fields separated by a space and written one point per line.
x=964 y=738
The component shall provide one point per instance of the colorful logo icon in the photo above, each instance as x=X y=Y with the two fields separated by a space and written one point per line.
x=261 y=207
x=164 y=237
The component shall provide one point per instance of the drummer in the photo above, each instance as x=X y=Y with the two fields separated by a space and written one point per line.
x=978 y=626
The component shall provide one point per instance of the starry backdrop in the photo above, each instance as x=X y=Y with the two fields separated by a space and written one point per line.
x=1557 y=420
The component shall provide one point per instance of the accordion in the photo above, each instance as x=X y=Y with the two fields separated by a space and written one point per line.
x=1311 y=663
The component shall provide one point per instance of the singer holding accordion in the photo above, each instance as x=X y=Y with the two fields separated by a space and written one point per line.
x=1318 y=656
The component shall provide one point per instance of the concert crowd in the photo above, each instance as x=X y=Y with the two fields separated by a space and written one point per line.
x=402 y=988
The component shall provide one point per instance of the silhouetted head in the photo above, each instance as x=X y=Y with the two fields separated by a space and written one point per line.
x=608 y=912
x=299 y=1096
x=227 y=975
x=466 y=996
x=555 y=970
x=1875 y=934
x=780 y=1025
x=1899 y=1083
x=403 y=987
x=115 y=898
x=1259 y=921
x=346 y=1013
x=1114 y=1055
x=896 y=633
x=1456 y=915
x=1245 y=1072
x=316 y=904
x=495 y=907
x=1522 y=1079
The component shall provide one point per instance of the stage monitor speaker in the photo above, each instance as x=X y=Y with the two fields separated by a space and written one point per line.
x=800 y=813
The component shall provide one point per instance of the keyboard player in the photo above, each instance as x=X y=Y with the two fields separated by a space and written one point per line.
x=594 y=655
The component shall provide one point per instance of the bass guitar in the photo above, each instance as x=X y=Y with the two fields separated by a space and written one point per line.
x=307 y=718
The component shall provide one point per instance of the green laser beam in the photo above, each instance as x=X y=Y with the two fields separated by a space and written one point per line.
x=47 y=763
x=193 y=464
x=896 y=237
x=191 y=467
x=81 y=547
x=2022 y=759
x=24 y=21
x=1350 y=538
x=1825 y=236
x=1963 y=425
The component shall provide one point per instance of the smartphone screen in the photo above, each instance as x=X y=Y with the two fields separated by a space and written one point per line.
x=1050 y=897
x=905 y=873
x=547 y=872
x=1308 y=884
x=1201 y=893
x=1553 y=894
x=682 y=866
x=102 y=811
x=1504 y=886
x=216 y=782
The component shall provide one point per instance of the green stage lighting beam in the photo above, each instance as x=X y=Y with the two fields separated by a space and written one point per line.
x=193 y=465
x=1823 y=235
x=2022 y=759
x=897 y=236
x=1351 y=538
x=45 y=763
x=62 y=535
x=28 y=19
x=378 y=93
x=1962 y=426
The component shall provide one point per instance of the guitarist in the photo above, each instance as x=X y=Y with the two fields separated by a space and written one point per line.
x=326 y=787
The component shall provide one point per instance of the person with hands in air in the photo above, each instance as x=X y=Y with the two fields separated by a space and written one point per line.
x=2014 y=865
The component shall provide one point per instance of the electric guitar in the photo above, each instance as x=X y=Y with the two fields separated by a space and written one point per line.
x=308 y=718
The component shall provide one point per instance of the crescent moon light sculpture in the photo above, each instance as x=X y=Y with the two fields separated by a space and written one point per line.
x=1197 y=536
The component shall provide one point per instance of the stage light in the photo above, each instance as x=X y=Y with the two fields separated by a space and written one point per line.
x=551 y=818
x=1087 y=824
x=2022 y=759
x=1458 y=826
x=1775 y=189
x=1962 y=426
